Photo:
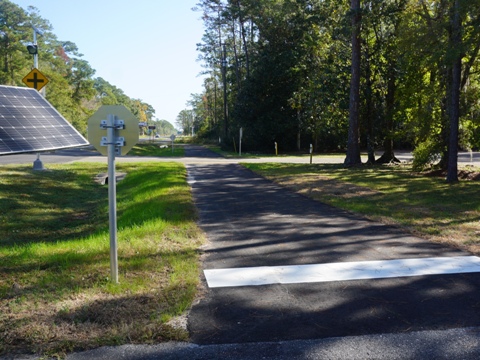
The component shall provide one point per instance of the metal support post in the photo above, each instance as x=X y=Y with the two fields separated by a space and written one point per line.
x=112 y=197
x=240 y=142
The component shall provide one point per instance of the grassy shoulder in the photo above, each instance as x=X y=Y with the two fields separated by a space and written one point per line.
x=157 y=148
x=257 y=155
x=55 y=293
x=426 y=206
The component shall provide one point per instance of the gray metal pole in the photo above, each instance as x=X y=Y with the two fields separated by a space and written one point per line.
x=35 y=56
x=37 y=164
x=240 y=142
x=112 y=197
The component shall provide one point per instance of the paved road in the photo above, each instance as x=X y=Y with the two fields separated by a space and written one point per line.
x=251 y=222
x=89 y=155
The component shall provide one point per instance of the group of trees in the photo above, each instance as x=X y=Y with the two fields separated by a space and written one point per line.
x=158 y=127
x=342 y=75
x=72 y=89
x=186 y=121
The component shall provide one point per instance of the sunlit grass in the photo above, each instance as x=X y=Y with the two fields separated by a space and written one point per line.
x=56 y=294
x=157 y=148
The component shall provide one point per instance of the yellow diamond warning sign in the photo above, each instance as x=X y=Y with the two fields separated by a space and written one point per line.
x=35 y=79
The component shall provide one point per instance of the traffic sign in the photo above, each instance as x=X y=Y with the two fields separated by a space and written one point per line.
x=128 y=132
x=35 y=79
x=113 y=130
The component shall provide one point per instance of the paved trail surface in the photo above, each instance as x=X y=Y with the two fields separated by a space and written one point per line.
x=251 y=222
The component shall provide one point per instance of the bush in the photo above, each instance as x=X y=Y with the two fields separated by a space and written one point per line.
x=425 y=155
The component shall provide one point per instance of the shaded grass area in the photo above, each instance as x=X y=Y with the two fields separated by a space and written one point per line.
x=157 y=148
x=55 y=293
x=426 y=206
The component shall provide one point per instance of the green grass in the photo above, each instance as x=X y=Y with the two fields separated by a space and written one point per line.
x=55 y=291
x=256 y=155
x=425 y=205
x=156 y=148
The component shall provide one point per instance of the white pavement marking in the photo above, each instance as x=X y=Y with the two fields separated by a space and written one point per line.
x=191 y=180
x=294 y=274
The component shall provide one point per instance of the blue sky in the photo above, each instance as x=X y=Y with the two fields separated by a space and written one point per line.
x=147 y=48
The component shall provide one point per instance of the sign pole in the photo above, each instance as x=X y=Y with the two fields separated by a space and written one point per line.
x=240 y=142
x=113 y=130
x=172 y=137
x=112 y=197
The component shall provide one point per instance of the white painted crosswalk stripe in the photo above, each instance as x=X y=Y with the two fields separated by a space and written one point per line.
x=343 y=271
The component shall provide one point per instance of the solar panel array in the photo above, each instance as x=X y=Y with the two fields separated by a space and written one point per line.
x=29 y=123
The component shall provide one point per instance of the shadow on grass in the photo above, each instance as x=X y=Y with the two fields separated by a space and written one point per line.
x=48 y=206
x=62 y=205
x=394 y=192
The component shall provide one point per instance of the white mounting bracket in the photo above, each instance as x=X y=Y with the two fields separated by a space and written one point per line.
x=119 y=141
x=119 y=124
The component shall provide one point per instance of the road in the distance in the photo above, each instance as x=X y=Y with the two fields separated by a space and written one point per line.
x=90 y=155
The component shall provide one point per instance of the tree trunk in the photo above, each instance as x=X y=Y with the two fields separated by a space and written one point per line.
x=388 y=153
x=235 y=54
x=369 y=113
x=225 y=105
x=353 y=145
x=454 y=111
x=299 y=132
x=245 y=46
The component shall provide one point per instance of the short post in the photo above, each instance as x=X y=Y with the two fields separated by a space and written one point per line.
x=240 y=142
x=276 y=149
x=112 y=197
x=172 y=137
x=311 y=153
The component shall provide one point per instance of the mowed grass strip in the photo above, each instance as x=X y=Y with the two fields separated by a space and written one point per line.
x=157 y=148
x=424 y=205
x=55 y=291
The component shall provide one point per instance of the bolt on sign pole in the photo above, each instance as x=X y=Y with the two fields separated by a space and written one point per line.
x=112 y=197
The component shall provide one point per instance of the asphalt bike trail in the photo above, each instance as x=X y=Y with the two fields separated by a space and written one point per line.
x=263 y=238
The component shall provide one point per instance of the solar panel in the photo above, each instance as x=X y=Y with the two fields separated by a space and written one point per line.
x=29 y=123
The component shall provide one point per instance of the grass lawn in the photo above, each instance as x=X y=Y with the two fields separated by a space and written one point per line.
x=426 y=206
x=55 y=292
x=156 y=148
